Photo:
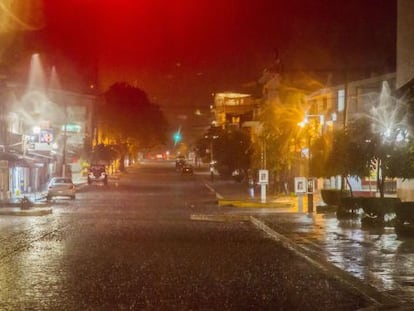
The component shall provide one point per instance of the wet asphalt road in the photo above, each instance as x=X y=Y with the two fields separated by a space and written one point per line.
x=133 y=246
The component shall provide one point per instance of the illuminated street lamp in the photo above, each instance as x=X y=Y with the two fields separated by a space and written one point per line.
x=310 y=180
x=211 y=137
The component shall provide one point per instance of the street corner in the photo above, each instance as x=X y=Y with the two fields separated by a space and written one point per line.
x=34 y=211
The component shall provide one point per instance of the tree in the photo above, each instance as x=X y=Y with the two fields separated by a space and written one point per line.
x=205 y=145
x=351 y=154
x=277 y=138
x=358 y=150
x=130 y=121
x=105 y=153
x=231 y=147
x=232 y=151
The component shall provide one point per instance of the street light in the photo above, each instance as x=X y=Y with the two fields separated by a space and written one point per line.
x=65 y=137
x=310 y=180
x=211 y=137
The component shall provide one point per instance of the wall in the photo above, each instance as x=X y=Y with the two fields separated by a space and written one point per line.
x=405 y=42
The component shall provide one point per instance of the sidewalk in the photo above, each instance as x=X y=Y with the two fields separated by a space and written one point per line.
x=375 y=261
x=240 y=195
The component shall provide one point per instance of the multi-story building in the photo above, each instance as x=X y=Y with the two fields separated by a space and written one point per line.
x=405 y=43
x=233 y=109
x=335 y=106
x=43 y=134
x=405 y=73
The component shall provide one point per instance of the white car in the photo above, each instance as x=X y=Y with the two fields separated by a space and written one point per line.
x=61 y=187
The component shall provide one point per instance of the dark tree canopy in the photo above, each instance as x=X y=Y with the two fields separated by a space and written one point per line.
x=128 y=122
x=232 y=151
x=128 y=116
x=102 y=153
x=231 y=147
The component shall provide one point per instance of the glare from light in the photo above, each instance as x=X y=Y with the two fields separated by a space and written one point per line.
x=388 y=116
x=36 y=73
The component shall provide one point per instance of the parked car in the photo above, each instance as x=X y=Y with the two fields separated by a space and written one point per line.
x=61 y=187
x=97 y=173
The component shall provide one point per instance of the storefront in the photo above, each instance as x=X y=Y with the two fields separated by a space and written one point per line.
x=15 y=175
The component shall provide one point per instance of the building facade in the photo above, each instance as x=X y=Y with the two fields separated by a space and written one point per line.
x=337 y=105
x=405 y=42
x=233 y=109
x=43 y=134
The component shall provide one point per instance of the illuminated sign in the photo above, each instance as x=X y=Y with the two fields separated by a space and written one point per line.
x=46 y=136
x=72 y=128
x=263 y=176
x=300 y=184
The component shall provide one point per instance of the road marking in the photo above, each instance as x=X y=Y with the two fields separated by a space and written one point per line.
x=219 y=218
x=218 y=195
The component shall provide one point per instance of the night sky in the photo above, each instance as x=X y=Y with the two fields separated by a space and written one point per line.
x=182 y=51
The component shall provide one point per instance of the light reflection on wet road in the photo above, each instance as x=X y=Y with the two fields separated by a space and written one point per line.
x=377 y=256
x=134 y=247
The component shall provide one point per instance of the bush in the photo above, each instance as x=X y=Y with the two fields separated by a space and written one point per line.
x=405 y=212
x=348 y=207
x=378 y=207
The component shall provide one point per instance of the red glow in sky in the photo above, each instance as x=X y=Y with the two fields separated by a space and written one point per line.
x=180 y=51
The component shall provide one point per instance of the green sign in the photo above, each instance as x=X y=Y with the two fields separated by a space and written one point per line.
x=73 y=128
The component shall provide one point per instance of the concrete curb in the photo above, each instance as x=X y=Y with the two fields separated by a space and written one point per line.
x=219 y=218
x=376 y=297
x=253 y=204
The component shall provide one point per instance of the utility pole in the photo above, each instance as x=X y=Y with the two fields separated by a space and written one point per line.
x=64 y=143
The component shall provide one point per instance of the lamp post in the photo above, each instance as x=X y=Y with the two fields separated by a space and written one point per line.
x=64 y=152
x=211 y=152
x=310 y=180
x=64 y=142
x=212 y=137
